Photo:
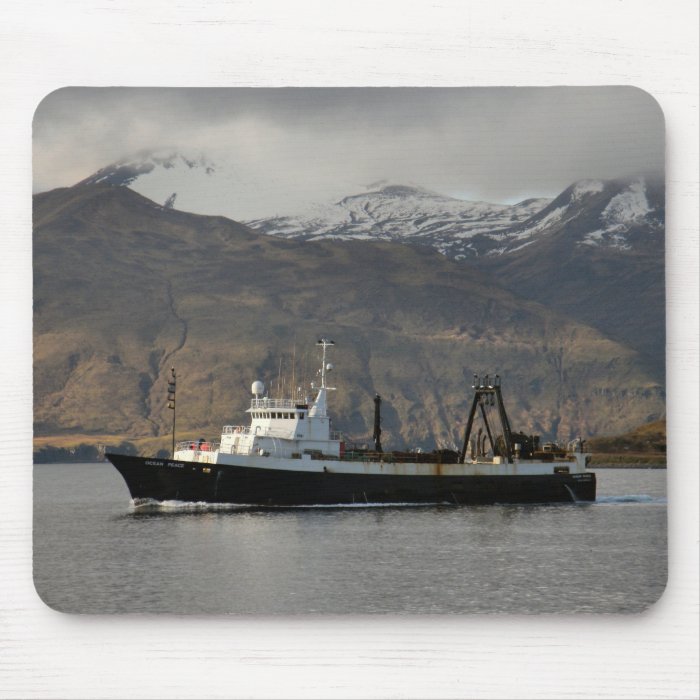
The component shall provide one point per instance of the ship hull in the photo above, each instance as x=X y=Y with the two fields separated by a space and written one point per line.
x=161 y=480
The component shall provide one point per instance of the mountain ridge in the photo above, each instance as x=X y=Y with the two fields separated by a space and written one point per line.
x=595 y=251
x=401 y=213
x=125 y=287
x=396 y=211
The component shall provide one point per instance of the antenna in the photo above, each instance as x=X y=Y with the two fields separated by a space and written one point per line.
x=294 y=366
x=324 y=343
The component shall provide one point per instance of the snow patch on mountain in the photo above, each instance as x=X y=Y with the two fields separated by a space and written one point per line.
x=625 y=210
x=629 y=206
x=590 y=213
x=404 y=213
x=538 y=226
x=609 y=238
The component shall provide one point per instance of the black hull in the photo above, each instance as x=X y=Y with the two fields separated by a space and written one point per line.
x=171 y=480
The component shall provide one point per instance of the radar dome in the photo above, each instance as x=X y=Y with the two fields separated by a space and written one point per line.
x=258 y=388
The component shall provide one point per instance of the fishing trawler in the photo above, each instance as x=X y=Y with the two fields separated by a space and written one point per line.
x=289 y=456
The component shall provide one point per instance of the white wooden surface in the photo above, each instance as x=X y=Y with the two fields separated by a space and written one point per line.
x=648 y=43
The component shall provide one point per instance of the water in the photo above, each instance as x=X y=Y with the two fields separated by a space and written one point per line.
x=95 y=553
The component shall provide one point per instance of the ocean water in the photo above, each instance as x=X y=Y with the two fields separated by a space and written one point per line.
x=95 y=553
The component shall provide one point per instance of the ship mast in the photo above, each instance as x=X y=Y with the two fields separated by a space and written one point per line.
x=319 y=407
x=324 y=343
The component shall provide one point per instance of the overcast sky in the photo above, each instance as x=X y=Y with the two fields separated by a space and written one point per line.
x=297 y=146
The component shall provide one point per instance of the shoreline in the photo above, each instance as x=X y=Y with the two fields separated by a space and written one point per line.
x=626 y=465
x=610 y=460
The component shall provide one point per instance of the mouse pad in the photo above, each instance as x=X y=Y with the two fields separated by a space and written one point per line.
x=349 y=350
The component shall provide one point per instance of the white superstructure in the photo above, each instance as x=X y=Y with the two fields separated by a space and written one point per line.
x=279 y=428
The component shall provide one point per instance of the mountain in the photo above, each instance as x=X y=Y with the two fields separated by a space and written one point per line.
x=189 y=182
x=454 y=227
x=616 y=214
x=125 y=288
x=624 y=215
x=596 y=253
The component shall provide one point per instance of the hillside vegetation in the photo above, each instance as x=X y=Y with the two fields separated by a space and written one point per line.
x=645 y=444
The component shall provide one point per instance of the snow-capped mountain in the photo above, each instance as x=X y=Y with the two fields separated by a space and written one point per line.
x=405 y=214
x=595 y=253
x=611 y=214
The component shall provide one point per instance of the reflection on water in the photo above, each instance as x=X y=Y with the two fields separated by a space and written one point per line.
x=94 y=552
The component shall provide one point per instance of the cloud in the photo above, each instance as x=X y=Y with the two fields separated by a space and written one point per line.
x=311 y=144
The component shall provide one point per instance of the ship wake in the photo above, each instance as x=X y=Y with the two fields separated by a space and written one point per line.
x=630 y=500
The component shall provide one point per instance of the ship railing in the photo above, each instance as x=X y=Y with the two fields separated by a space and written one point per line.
x=271 y=432
x=275 y=403
x=197 y=446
